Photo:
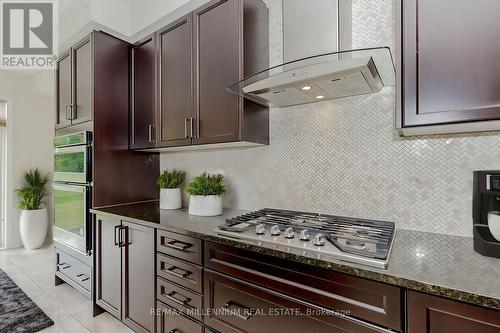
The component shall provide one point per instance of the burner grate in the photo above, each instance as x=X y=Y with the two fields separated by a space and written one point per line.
x=367 y=238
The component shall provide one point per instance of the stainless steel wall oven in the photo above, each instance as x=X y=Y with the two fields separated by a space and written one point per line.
x=72 y=190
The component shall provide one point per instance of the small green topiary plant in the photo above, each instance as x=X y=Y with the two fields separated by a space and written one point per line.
x=33 y=191
x=171 y=179
x=207 y=184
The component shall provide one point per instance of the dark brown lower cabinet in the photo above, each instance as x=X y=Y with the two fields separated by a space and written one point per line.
x=370 y=301
x=237 y=306
x=108 y=266
x=138 y=277
x=431 y=314
x=125 y=272
x=170 y=321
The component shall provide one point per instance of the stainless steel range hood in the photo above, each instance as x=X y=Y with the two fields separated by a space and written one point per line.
x=309 y=29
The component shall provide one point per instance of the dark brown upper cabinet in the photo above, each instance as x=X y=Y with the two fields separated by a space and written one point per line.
x=74 y=85
x=175 y=83
x=63 y=90
x=197 y=57
x=448 y=70
x=94 y=94
x=82 y=72
x=230 y=41
x=143 y=95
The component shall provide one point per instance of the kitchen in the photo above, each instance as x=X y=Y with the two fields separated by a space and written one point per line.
x=351 y=139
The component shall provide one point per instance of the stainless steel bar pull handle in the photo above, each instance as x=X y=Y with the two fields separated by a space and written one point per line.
x=172 y=271
x=178 y=245
x=150 y=133
x=72 y=111
x=238 y=310
x=63 y=265
x=175 y=330
x=117 y=239
x=186 y=124
x=68 y=110
x=184 y=301
x=82 y=277
x=193 y=135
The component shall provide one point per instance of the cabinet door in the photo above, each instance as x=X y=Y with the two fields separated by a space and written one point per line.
x=108 y=265
x=175 y=83
x=449 y=67
x=63 y=90
x=217 y=64
x=143 y=95
x=138 y=277
x=82 y=81
x=431 y=314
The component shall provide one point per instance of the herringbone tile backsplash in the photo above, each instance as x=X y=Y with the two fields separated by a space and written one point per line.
x=344 y=157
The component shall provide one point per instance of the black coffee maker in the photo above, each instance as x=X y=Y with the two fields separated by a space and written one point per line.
x=486 y=199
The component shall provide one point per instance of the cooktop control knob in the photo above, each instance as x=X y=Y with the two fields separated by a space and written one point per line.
x=260 y=229
x=319 y=240
x=275 y=230
x=305 y=235
x=289 y=233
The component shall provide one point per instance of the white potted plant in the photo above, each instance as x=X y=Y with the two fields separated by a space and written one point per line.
x=206 y=192
x=170 y=193
x=34 y=219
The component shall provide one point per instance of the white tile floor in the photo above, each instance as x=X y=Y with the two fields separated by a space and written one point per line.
x=33 y=272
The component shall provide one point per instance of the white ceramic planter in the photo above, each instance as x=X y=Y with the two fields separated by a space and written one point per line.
x=170 y=198
x=494 y=224
x=200 y=205
x=33 y=227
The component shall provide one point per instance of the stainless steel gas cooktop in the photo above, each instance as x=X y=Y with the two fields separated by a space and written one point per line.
x=325 y=237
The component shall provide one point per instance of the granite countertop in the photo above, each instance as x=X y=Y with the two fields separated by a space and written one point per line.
x=441 y=265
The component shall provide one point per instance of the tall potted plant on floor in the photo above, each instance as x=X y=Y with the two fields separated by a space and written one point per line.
x=170 y=182
x=34 y=219
x=206 y=192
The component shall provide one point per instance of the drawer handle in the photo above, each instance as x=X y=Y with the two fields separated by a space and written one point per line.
x=171 y=297
x=171 y=270
x=175 y=330
x=238 y=310
x=178 y=245
x=63 y=265
x=82 y=277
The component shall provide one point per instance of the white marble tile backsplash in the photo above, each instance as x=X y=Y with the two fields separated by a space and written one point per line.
x=344 y=157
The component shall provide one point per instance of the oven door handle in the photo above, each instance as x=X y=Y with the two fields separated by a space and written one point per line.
x=70 y=150
x=70 y=188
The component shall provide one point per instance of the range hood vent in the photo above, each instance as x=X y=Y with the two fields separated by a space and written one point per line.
x=320 y=78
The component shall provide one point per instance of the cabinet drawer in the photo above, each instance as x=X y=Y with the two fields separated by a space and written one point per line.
x=236 y=306
x=183 y=273
x=180 y=246
x=73 y=269
x=367 y=300
x=179 y=298
x=171 y=322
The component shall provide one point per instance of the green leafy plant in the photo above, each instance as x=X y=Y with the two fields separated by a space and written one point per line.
x=171 y=179
x=207 y=184
x=33 y=191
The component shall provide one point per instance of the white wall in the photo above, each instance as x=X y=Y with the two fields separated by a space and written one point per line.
x=126 y=19
x=30 y=133
x=147 y=12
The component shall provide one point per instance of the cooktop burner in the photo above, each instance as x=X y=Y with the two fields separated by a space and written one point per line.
x=355 y=240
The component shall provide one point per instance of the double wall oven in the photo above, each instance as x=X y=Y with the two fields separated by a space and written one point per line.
x=72 y=190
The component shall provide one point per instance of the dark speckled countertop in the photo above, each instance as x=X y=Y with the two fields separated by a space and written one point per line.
x=437 y=264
